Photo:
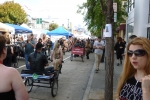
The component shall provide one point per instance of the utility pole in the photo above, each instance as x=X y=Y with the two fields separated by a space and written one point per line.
x=109 y=53
x=68 y=24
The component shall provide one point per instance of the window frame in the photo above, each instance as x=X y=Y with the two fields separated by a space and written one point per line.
x=131 y=5
x=148 y=32
x=149 y=13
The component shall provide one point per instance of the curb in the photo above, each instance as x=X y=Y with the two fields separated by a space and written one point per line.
x=88 y=88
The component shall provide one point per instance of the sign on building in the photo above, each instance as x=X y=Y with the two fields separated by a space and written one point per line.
x=115 y=11
x=39 y=21
x=115 y=7
x=115 y=17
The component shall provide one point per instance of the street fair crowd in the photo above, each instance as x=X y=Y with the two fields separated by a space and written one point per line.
x=17 y=48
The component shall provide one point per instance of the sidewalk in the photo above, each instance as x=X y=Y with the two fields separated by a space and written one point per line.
x=96 y=85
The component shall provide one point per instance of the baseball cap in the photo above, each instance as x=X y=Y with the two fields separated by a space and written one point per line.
x=39 y=45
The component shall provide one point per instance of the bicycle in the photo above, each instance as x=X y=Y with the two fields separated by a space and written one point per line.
x=57 y=72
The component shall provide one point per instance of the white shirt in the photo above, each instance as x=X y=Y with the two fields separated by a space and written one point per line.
x=98 y=44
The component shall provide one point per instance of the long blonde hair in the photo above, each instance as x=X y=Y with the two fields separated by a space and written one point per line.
x=56 y=47
x=128 y=69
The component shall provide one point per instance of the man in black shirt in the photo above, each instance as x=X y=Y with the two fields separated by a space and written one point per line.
x=49 y=46
x=38 y=61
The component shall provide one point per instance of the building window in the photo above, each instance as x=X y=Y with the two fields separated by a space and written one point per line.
x=149 y=13
x=131 y=5
x=148 y=32
x=130 y=28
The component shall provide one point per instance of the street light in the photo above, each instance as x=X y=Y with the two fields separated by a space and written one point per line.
x=68 y=24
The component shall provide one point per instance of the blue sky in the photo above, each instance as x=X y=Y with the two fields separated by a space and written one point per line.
x=62 y=9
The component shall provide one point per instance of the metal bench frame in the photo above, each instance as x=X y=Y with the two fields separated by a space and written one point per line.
x=51 y=79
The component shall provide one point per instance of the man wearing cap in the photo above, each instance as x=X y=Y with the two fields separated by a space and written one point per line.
x=38 y=60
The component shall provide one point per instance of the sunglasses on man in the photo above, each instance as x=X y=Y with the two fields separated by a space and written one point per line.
x=138 y=52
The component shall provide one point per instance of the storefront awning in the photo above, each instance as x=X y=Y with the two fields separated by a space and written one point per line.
x=122 y=26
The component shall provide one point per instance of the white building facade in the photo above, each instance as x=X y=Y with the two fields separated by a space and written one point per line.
x=32 y=20
x=138 y=21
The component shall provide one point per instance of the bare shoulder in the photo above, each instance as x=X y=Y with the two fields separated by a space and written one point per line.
x=11 y=71
x=6 y=72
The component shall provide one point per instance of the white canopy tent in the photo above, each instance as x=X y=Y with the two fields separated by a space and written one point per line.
x=6 y=28
x=36 y=33
x=82 y=36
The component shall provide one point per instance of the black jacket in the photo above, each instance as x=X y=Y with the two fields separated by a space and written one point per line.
x=37 y=61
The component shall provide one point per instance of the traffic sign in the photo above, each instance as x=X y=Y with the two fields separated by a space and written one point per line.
x=115 y=17
x=39 y=21
x=115 y=7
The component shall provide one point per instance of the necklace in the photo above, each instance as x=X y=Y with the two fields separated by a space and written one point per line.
x=139 y=80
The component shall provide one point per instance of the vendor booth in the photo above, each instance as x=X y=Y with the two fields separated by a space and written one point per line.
x=19 y=29
x=37 y=33
x=6 y=30
x=60 y=31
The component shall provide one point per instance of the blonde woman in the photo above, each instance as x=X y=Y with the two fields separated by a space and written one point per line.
x=134 y=82
x=57 y=55
x=66 y=45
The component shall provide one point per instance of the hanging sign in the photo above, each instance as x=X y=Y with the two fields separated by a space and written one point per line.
x=115 y=7
x=115 y=17
x=108 y=30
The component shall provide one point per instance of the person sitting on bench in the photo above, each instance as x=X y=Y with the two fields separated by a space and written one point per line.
x=37 y=60
x=57 y=56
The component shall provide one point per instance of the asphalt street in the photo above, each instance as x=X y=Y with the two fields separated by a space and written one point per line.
x=72 y=82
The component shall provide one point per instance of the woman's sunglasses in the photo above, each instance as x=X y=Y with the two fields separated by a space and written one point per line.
x=138 y=52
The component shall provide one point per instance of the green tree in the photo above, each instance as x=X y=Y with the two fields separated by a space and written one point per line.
x=95 y=15
x=52 y=26
x=13 y=13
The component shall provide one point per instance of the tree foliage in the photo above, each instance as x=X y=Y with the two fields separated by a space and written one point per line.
x=13 y=13
x=52 y=26
x=94 y=12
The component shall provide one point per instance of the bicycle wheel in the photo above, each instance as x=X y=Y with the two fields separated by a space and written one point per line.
x=54 y=87
x=29 y=84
